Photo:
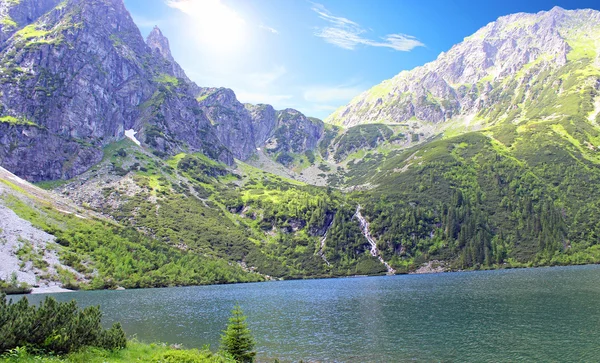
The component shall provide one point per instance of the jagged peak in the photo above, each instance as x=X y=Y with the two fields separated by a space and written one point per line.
x=159 y=43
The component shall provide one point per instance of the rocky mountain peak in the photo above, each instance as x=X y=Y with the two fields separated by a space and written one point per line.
x=159 y=44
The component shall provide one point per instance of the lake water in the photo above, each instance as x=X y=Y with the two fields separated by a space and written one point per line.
x=543 y=315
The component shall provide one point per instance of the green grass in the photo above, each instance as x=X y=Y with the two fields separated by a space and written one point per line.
x=135 y=352
x=582 y=48
x=52 y=184
x=167 y=79
x=31 y=31
x=8 y=22
x=17 y=121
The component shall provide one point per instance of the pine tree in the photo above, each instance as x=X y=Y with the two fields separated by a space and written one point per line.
x=237 y=339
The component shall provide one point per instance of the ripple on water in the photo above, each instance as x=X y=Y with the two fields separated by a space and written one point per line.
x=546 y=314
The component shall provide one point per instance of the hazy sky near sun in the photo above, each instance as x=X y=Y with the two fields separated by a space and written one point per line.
x=315 y=55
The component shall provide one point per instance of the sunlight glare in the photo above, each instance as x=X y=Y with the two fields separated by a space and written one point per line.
x=213 y=24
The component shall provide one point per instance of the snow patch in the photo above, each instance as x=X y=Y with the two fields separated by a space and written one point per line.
x=131 y=135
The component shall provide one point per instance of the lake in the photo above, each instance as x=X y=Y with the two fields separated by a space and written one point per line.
x=542 y=314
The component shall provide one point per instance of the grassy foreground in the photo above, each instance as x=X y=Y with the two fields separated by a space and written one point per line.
x=135 y=352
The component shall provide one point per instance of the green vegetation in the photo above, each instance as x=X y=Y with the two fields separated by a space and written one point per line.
x=237 y=340
x=31 y=31
x=134 y=352
x=13 y=286
x=61 y=332
x=17 y=121
x=55 y=327
x=8 y=22
x=124 y=257
x=359 y=138
x=167 y=81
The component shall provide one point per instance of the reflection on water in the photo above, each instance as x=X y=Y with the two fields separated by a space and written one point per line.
x=547 y=314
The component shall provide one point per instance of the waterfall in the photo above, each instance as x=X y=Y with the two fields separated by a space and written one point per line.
x=364 y=226
x=323 y=239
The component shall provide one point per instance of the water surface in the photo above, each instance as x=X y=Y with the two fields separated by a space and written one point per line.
x=545 y=314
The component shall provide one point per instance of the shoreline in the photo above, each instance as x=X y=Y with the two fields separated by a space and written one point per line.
x=49 y=290
x=58 y=289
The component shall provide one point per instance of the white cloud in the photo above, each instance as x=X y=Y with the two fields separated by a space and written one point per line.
x=268 y=28
x=347 y=34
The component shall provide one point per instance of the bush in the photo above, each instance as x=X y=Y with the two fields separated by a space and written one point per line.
x=55 y=327
x=190 y=356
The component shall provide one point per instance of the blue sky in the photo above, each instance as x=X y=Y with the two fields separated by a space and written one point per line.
x=315 y=55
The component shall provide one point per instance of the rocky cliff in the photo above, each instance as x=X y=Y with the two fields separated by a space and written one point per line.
x=76 y=75
x=245 y=128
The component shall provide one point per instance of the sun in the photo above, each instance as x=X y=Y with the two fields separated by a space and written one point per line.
x=213 y=24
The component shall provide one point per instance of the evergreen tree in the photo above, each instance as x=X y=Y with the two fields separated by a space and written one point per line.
x=237 y=339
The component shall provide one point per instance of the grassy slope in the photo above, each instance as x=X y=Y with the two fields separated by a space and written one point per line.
x=110 y=254
x=135 y=352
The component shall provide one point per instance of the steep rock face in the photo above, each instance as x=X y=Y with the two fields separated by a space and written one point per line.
x=295 y=132
x=231 y=120
x=244 y=128
x=476 y=74
x=83 y=74
x=17 y=14
x=160 y=46
x=264 y=121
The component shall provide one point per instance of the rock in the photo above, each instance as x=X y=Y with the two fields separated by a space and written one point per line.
x=244 y=128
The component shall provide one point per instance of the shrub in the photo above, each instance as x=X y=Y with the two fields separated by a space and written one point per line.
x=55 y=327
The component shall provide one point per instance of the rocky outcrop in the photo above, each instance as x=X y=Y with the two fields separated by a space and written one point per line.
x=159 y=44
x=295 y=132
x=17 y=14
x=231 y=119
x=474 y=75
x=244 y=128
x=264 y=121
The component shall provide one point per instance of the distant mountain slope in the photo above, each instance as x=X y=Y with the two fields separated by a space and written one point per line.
x=520 y=67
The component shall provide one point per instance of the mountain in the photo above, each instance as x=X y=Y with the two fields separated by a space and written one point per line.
x=244 y=128
x=485 y=158
x=507 y=164
x=77 y=74
x=503 y=72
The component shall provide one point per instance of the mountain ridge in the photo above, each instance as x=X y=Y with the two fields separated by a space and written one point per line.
x=461 y=82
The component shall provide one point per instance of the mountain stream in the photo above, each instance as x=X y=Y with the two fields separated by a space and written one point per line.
x=364 y=226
